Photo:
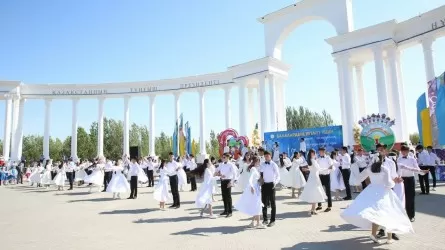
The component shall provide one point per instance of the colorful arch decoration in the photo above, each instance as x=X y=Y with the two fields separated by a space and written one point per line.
x=231 y=136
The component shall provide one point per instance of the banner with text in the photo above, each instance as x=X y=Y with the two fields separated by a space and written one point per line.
x=289 y=141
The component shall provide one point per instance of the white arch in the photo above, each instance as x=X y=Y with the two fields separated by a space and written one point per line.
x=279 y=24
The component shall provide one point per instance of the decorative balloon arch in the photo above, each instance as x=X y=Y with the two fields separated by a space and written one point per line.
x=231 y=136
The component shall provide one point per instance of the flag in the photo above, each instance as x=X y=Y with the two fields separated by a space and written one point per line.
x=440 y=109
x=421 y=105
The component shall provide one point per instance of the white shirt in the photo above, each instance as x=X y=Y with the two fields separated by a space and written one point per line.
x=362 y=161
x=270 y=172
x=191 y=165
x=423 y=158
x=391 y=166
x=346 y=161
x=433 y=160
x=409 y=162
x=325 y=162
x=287 y=162
x=228 y=170
x=108 y=167
x=262 y=159
x=171 y=168
x=150 y=165
x=70 y=167
x=134 y=169
x=303 y=146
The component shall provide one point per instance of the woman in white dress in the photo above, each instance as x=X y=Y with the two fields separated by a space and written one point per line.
x=204 y=198
x=297 y=181
x=60 y=178
x=118 y=183
x=212 y=168
x=160 y=192
x=182 y=176
x=243 y=180
x=96 y=178
x=250 y=201
x=313 y=191
x=81 y=173
x=46 y=176
x=337 y=183
x=142 y=176
x=354 y=177
x=36 y=175
x=283 y=164
x=378 y=206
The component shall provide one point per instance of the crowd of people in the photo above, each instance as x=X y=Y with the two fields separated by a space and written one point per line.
x=385 y=181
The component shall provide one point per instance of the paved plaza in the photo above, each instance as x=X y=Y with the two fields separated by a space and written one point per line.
x=34 y=218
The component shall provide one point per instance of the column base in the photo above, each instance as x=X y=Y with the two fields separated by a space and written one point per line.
x=201 y=157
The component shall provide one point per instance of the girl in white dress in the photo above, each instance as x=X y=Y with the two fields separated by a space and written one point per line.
x=337 y=183
x=313 y=191
x=46 y=177
x=182 y=176
x=243 y=180
x=378 y=206
x=36 y=175
x=81 y=173
x=204 y=198
x=118 y=183
x=96 y=178
x=250 y=201
x=60 y=178
x=160 y=192
x=213 y=170
x=285 y=178
x=297 y=181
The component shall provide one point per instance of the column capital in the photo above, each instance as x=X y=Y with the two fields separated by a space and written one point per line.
x=177 y=94
x=227 y=87
x=359 y=66
x=201 y=91
x=75 y=99
x=48 y=100
x=427 y=43
x=341 y=57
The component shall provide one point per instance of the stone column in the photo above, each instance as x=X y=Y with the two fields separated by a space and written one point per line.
x=202 y=146
x=7 y=135
x=395 y=95
x=263 y=109
x=405 y=132
x=380 y=79
x=74 y=125
x=47 y=128
x=19 y=133
x=152 y=126
x=126 y=142
x=250 y=112
x=242 y=107
x=281 y=104
x=228 y=106
x=177 y=114
x=427 y=44
x=273 y=112
x=360 y=90
x=100 y=128
x=346 y=92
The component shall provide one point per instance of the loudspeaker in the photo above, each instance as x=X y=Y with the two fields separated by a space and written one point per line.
x=134 y=152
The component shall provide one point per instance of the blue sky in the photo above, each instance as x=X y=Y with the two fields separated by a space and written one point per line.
x=84 y=41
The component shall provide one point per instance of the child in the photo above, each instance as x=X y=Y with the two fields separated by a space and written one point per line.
x=337 y=183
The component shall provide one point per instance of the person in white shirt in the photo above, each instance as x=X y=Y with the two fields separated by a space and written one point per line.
x=270 y=177
x=150 y=170
x=226 y=148
x=423 y=159
x=432 y=163
x=108 y=174
x=133 y=172
x=228 y=172
x=362 y=161
x=191 y=165
x=407 y=168
x=172 y=168
x=303 y=147
x=345 y=165
x=326 y=166
x=70 y=168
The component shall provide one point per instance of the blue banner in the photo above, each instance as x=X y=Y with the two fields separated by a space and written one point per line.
x=421 y=105
x=440 y=110
x=289 y=141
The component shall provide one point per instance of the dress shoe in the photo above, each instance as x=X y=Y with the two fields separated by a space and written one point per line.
x=271 y=224
x=413 y=219
x=381 y=233
x=130 y=198
x=265 y=222
x=347 y=198
x=327 y=209
x=172 y=206
x=177 y=207
x=395 y=237
x=228 y=215
x=319 y=208
x=223 y=214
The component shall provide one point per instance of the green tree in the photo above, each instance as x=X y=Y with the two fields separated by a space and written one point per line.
x=212 y=147
x=113 y=139
x=1 y=147
x=85 y=148
x=32 y=147
x=304 y=118
x=66 y=147
x=93 y=136
x=56 y=149
x=414 y=138
x=163 y=145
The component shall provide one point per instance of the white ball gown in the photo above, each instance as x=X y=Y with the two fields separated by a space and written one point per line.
x=46 y=176
x=353 y=178
x=182 y=177
x=36 y=175
x=313 y=191
x=243 y=179
x=378 y=204
x=214 y=181
x=60 y=178
x=206 y=189
x=96 y=177
x=80 y=173
x=142 y=177
x=250 y=203
x=295 y=178
x=160 y=192
x=118 y=182
x=336 y=177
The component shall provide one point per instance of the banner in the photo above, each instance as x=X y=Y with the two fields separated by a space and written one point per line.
x=432 y=99
x=421 y=105
x=289 y=141
x=440 y=110
x=426 y=128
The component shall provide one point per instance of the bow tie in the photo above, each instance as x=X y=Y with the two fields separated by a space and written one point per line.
x=321 y=156
x=225 y=162
x=267 y=162
x=404 y=157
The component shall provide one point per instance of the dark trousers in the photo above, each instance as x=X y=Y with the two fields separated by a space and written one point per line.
x=410 y=187
x=193 y=182
x=226 y=192
x=424 y=180
x=53 y=175
x=305 y=174
x=433 y=174
x=19 y=178
x=70 y=177
x=174 y=189
x=363 y=182
x=268 y=197
x=346 y=173
x=134 y=187
x=151 y=179
x=107 y=178
x=326 y=182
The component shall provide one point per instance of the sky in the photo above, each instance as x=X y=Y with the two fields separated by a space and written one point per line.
x=84 y=41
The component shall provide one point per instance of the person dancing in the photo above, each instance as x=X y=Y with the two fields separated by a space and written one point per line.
x=204 y=198
x=172 y=168
x=227 y=171
x=270 y=177
x=313 y=192
x=160 y=192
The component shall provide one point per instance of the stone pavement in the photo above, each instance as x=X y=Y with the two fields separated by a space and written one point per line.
x=34 y=218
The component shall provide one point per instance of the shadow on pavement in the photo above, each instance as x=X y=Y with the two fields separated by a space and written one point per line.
x=342 y=228
x=432 y=204
x=92 y=200
x=362 y=243
x=163 y=220
x=132 y=211
x=204 y=231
